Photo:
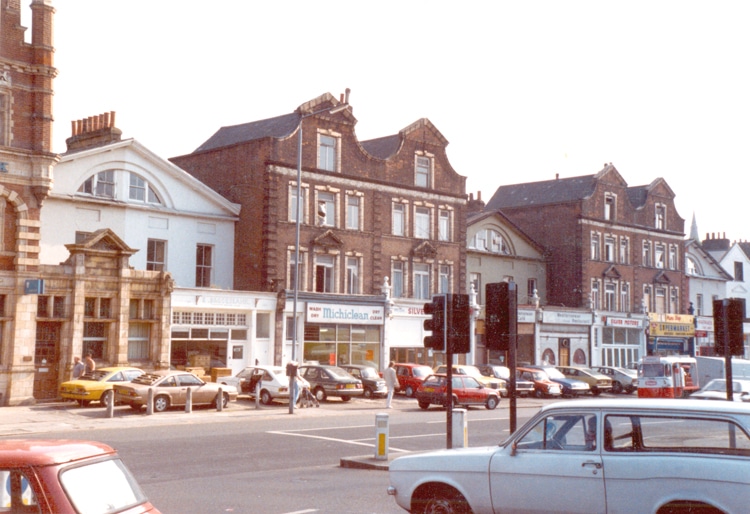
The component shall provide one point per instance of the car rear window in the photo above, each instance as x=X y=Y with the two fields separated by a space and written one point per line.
x=102 y=487
x=147 y=379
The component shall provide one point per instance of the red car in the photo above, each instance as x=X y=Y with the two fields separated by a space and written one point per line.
x=410 y=377
x=467 y=390
x=66 y=476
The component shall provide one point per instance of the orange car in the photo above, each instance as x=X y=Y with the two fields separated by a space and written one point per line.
x=410 y=377
x=543 y=386
x=66 y=476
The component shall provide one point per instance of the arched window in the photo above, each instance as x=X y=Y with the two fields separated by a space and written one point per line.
x=102 y=184
x=141 y=191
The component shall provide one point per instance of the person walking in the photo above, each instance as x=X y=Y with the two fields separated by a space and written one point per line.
x=391 y=382
x=78 y=367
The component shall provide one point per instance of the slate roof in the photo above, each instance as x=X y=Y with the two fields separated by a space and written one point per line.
x=278 y=127
x=383 y=147
x=546 y=192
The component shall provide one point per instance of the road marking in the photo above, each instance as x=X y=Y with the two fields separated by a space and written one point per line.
x=302 y=511
x=334 y=439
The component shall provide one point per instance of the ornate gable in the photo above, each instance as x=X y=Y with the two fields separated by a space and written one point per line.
x=327 y=240
x=101 y=241
x=425 y=250
x=661 y=278
x=612 y=273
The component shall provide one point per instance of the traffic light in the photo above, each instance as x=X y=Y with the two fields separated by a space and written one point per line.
x=729 y=314
x=437 y=323
x=459 y=323
x=501 y=315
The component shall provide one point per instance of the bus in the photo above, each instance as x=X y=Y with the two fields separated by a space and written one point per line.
x=671 y=376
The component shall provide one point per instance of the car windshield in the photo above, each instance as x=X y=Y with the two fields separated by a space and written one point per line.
x=422 y=371
x=115 y=491
x=554 y=373
x=721 y=385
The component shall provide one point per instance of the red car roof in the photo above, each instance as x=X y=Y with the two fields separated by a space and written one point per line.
x=47 y=452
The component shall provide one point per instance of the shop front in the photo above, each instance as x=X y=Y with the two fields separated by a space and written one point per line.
x=622 y=340
x=404 y=338
x=670 y=334
x=704 y=336
x=564 y=338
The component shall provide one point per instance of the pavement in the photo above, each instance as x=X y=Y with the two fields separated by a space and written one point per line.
x=22 y=421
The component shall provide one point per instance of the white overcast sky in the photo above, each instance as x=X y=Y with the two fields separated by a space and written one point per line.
x=522 y=90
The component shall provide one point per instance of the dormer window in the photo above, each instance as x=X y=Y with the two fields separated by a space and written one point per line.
x=609 y=207
x=327 y=153
x=422 y=171
x=102 y=184
x=660 y=216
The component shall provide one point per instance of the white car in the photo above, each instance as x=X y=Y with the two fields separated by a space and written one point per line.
x=716 y=389
x=624 y=380
x=597 y=456
x=273 y=382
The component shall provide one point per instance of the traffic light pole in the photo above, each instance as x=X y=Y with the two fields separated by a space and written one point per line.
x=449 y=399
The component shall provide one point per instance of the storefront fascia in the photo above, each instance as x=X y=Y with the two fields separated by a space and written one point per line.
x=704 y=335
x=619 y=339
x=404 y=334
x=564 y=337
x=670 y=334
x=336 y=329
x=234 y=328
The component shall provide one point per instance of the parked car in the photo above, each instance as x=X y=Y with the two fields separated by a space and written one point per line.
x=467 y=391
x=716 y=389
x=591 y=456
x=473 y=371
x=170 y=390
x=61 y=476
x=624 y=380
x=97 y=385
x=543 y=386
x=523 y=387
x=326 y=380
x=372 y=382
x=273 y=382
x=597 y=382
x=570 y=386
x=410 y=376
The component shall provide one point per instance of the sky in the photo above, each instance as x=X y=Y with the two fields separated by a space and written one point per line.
x=523 y=91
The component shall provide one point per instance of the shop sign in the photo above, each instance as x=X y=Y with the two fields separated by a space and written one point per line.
x=526 y=316
x=622 y=322
x=349 y=314
x=704 y=323
x=567 y=318
x=671 y=329
x=670 y=318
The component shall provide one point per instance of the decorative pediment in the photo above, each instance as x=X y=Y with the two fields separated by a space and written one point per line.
x=425 y=251
x=327 y=240
x=102 y=241
x=611 y=273
x=662 y=278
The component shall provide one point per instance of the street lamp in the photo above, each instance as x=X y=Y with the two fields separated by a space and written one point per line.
x=298 y=221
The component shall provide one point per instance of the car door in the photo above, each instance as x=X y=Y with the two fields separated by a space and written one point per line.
x=553 y=467
x=200 y=395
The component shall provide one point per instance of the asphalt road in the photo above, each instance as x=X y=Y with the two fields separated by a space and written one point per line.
x=243 y=460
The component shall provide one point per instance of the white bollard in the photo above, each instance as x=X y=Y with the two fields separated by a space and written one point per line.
x=220 y=401
x=460 y=429
x=257 y=394
x=111 y=404
x=381 y=436
x=189 y=401
x=150 y=404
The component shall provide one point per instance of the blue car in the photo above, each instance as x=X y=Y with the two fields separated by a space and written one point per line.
x=570 y=386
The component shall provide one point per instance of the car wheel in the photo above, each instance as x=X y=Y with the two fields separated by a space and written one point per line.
x=136 y=407
x=409 y=391
x=346 y=398
x=368 y=393
x=424 y=405
x=452 y=405
x=265 y=397
x=538 y=393
x=320 y=394
x=446 y=502
x=83 y=403
x=161 y=403
x=616 y=387
x=224 y=402
x=106 y=397
x=492 y=402
x=596 y=391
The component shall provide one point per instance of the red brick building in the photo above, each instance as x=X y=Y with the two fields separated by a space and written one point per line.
x=611 y=248
x=391 y=207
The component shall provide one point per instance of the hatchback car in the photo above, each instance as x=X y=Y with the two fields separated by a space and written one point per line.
x=523 y=387
x=171 y=390
x=543 y=386
x=65 y=476
x=372 y=382
x=624 y=380
x=570 y=386
x=326 y=380
x=97 y=385
x=592 y=456
x=410 y=376
x=466 y=391
x=473 y=371
x=597 y=382
x=272 y=380
x=716 y=389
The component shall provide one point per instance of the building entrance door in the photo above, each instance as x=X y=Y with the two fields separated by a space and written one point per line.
x=46 y=357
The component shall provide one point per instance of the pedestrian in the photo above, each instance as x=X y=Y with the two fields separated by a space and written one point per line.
x=78 y=367
x=292 y=371
x=89 y=364
x=391 y=382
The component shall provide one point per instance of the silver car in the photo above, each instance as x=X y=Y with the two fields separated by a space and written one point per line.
x=592 y=456
x=272 y=380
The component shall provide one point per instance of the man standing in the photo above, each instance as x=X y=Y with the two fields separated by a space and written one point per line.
x=391 y=382
x=78 y=367
x=89 y=364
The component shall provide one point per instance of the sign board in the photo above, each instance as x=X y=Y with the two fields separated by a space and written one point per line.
x=33 y=286
x=350 y=314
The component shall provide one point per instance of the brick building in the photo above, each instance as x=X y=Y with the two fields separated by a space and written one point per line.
x=389 y=208
x=614 y=250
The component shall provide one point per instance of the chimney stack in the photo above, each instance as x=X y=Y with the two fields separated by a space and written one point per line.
x=92 y=132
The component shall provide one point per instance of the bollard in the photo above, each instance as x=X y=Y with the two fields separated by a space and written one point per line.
x=111 y=404
x=220 y=400
x=381 y=436
x=189 y=401
x=460 y=429
x=257 y=394
x=150 y=404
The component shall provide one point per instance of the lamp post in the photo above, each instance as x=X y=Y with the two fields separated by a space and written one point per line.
x=298 y=221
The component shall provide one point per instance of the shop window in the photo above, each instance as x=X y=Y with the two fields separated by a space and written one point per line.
x=139 y=335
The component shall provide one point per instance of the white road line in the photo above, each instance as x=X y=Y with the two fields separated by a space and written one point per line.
x=334 y=439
